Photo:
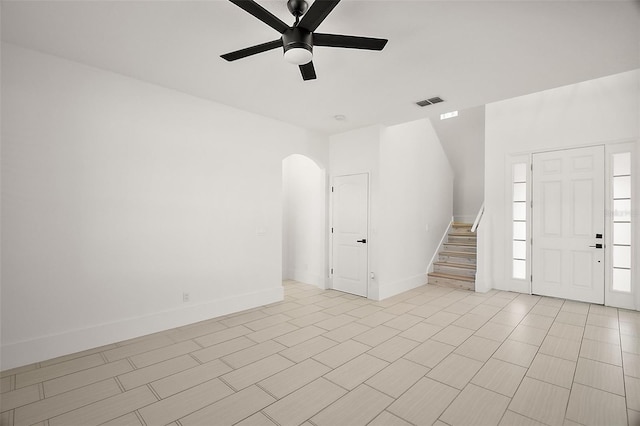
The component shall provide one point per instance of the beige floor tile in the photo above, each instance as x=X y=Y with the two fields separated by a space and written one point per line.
x=301 y=335
x=140 y=346
x=566 y=331
x=561 y=348
x=540 y=401
x=397 y=377
x=404 y=322
x=377 y=319
x=223 y=335
x=551 y=301
x=424 y=402
x=186 y=379
x=572 y=318
x=459 y=308
x=575 y=307
x=18 y=370
x=376 y=335
x=442 y=318
x=494 y=331
x=243 y=318
x=6 y=384
x=421 y=332
x=258 y=419
x=511 y=319
x=341 y=353
x=393 y=348
x=632 y=387
x=358 y=407
x=426 y=311
x=157 y=371
x=341 y=309
x=364 y=311
x=518 y=307
x=59 y=404
x=600 y=351
x=500 y=376
x=630 y=344
x=6 y=418
x=293 y=378
x=485 y=310
x=152 y=357
x=303 y=311
x=429 y=353
x=195 y=330
x=108 y=409
x=602 y=334
x=356 y=371
x=267 y=322
x=335 y=322
x=86 y=377
x=387 y=419
x=599 y=375
x=452 y=335
x=255 y=372
x=308 y=348
x=183 y=403
x=272 y=332
x=399 y=308
x=516 y=353
x=630 y=328
x=129 y=419
x=556 y=371
x=455 y=370
x=549 y=311
x=471 y=321
x=530 y=335
x=19 y=397
x=631 y=364
x=232 y=409
x=603 y=310
x=304 y=403
x=538 y=321
x=346 y=332
x=253 y=353
x=219 y=350
x=589 y=406
x=57 y=370
x=281 y=307
x=514 y=419
x=478 y=348
x=310 y=319
x=76 y=355
x=475 y=406
x=633 y=417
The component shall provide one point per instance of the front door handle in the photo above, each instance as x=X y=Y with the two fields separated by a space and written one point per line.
x=597 y=246
x=363 y=241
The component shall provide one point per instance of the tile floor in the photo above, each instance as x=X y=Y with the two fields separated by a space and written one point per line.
x=429 y=356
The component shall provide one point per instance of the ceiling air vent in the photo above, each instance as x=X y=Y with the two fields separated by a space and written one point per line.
x=430 y=101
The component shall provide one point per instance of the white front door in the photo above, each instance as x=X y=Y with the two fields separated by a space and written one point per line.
x=350 y=223
x=568 y=223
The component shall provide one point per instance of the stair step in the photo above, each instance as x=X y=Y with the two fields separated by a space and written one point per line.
x=455 y=265
x=457 y=257
x=460 y=247
x=458 y=254
x=468 y=270
x=452 y=281
x=462 y=234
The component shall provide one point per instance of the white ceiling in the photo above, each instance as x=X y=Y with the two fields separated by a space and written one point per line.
x=468 y=52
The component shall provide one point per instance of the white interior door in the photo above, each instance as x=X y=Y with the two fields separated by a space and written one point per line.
x=568 y=223
x=350 y=224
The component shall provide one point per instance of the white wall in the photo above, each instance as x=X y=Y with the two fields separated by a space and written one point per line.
x=118 y=196
x=462 y=138
x=416 y=186
x=304 y=226
x=411 y=186
x=601 y=111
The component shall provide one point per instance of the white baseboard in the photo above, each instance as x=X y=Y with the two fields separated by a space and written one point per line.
x=388 y=290
x=52 y=346
x=306 y=277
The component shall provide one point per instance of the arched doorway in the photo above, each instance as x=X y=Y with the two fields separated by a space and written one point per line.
x=303 y=221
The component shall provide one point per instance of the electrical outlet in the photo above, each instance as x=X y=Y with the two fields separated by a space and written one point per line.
x=185 y=297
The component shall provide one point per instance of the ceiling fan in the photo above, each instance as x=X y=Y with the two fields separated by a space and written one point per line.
x=299 y=39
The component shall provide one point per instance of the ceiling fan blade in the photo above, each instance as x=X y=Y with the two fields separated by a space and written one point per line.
x=349 y=42
x=262 y=14
x=308 y=71
x=243 y=53
x=316 y=14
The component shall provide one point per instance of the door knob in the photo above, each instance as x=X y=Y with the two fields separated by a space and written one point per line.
x=597 y=246
x=363 y=241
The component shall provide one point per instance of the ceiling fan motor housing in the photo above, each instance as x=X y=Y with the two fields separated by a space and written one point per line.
x=297 y=38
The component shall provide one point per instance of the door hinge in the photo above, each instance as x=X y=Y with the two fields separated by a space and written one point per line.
x=332 y=230
x=331 y=271
x=332 y=189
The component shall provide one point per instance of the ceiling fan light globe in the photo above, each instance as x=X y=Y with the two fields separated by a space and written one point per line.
x=298 y=56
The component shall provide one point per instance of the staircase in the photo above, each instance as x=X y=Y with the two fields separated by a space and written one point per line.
x=456 y=265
